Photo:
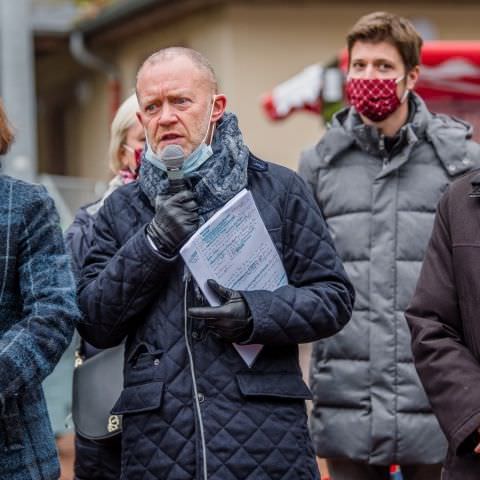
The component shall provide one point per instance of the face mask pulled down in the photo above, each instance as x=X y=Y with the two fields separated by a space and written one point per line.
x=192 y=162
x=375 y=98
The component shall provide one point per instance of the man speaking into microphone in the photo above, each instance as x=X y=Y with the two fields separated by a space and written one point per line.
x=191 y=407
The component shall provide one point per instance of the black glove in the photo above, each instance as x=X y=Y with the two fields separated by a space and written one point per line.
x=176 y=218
x=232 y=321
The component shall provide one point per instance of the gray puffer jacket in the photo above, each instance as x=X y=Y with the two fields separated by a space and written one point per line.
x=368 y=402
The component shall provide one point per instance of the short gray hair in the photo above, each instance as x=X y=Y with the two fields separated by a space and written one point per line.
x=198 y=59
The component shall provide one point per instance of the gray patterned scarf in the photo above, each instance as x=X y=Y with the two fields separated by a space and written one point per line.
x=218 y=180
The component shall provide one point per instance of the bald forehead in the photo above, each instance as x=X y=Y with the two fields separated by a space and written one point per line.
x=198 y=63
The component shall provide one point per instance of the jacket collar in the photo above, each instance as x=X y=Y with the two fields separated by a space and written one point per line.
x=448 y=136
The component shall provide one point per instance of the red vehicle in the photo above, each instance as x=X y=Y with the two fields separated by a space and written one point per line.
x=449 y=82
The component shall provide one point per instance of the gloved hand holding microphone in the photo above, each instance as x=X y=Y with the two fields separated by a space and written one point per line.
x=176 y=213
x=176 y=219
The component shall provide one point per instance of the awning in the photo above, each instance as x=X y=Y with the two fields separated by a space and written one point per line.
x=450 y=71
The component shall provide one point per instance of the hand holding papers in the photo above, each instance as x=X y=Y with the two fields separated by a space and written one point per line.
x=232 y=320
x=235 y=249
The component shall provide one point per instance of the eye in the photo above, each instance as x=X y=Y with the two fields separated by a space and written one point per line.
x=357 y=64
x=181 y=101
x=150 y=108
x=384 y=67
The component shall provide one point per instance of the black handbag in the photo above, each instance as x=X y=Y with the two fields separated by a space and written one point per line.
x=97 y=385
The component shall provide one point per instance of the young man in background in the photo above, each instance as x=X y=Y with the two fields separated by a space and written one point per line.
x=378 y=174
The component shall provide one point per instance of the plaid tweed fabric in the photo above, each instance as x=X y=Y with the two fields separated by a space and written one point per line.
x=37 y=314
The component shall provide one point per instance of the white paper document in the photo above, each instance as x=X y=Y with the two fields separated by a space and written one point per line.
x=235 y=249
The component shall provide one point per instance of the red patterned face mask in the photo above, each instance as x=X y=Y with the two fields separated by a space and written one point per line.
x=128 y=175
x=375 y=98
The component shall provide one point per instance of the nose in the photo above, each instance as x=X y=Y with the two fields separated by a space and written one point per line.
x=167 y=114
x=369 y=71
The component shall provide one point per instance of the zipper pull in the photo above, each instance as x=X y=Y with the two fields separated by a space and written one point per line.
x=78 y=359
x=381 y=143
x=383 y=153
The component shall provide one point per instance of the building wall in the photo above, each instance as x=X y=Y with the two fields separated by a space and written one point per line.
x=253 y=48
x=87 y=127
x=272 y=44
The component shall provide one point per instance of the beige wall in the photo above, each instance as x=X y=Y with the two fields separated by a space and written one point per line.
x=253 y=48
x=88 y=129
x=272 y=44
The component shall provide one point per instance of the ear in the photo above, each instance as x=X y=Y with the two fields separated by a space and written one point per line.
x=412 y=77
x=219 y=106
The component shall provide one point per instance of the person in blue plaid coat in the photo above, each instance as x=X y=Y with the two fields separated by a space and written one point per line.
x=37 y=316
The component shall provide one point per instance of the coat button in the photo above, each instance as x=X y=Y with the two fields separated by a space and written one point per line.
x=195 y=335
x=452 y=168
x=156 y=362
x=201 y=397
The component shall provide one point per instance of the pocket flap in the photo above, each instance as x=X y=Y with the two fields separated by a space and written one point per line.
x=282 y=385
x=139 y=398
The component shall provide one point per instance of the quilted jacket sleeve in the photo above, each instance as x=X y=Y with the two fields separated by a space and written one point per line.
x=30 y=349
x=117 y=282
x=318 y=300
x=448 y=370
x=78 y=239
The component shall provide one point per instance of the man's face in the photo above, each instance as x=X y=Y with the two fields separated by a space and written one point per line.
x=175 y=98
x=380 y=60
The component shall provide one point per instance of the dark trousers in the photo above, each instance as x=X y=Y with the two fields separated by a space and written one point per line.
x=349 y=470
x=97 y=460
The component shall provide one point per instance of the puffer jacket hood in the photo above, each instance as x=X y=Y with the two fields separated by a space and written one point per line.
x=447 y=135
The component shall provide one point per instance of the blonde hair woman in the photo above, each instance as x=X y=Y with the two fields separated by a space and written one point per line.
x=126 y=138
x=95 y=460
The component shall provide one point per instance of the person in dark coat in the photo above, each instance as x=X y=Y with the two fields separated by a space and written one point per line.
x=377 y=174
x=192 y=408
x=443 y=318
x=100 y=460
x=37 y=316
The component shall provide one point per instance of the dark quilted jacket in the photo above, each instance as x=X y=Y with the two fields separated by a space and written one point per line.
x=253 y=421
x=93 y=460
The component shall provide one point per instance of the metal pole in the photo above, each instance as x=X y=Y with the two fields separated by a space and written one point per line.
x=17 y=86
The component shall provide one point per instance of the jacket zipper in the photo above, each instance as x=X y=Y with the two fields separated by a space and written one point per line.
x=196 y=402
x=383 y=152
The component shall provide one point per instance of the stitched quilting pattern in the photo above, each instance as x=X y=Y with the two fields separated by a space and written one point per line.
x=127 y=289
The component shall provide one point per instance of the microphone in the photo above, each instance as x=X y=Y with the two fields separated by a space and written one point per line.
x=173 y=157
